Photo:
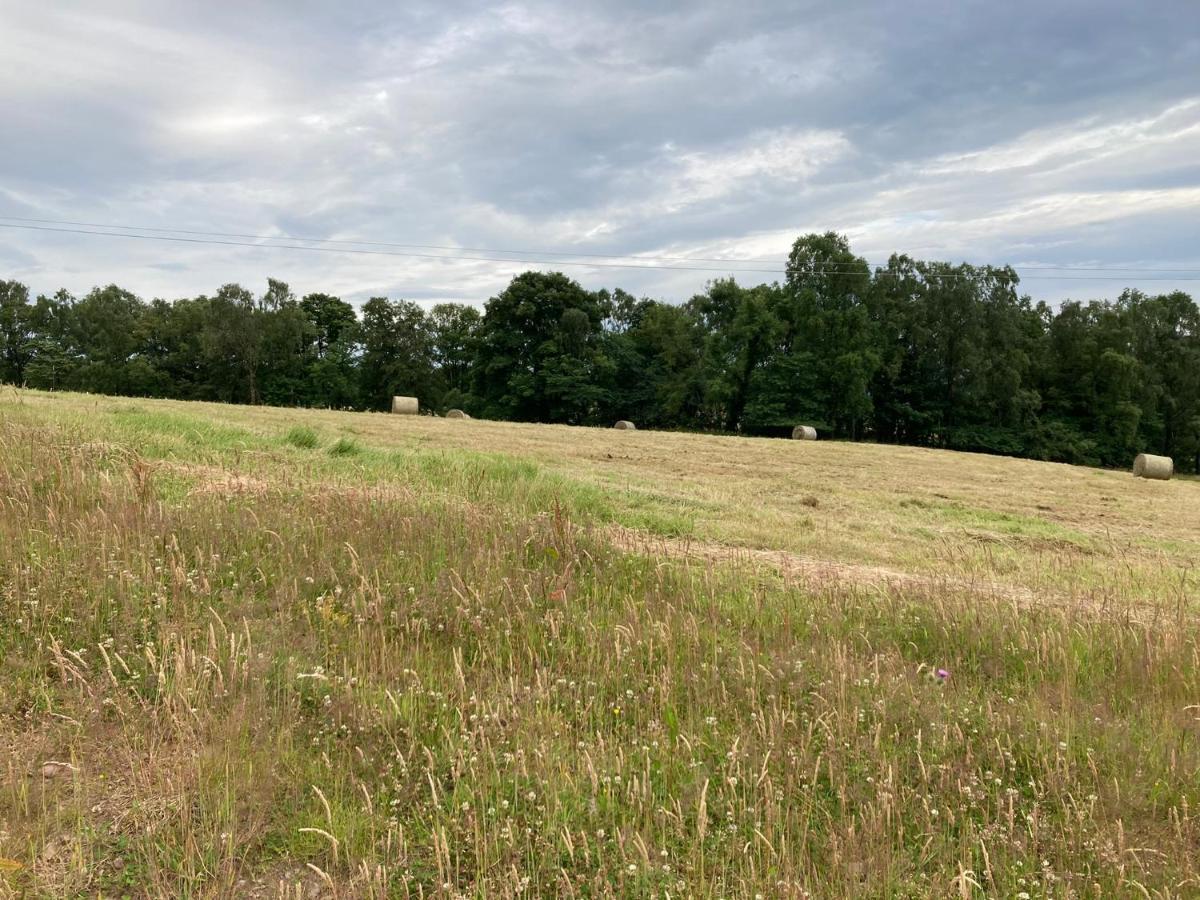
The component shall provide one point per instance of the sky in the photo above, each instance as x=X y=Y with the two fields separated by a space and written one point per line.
x=673 y=142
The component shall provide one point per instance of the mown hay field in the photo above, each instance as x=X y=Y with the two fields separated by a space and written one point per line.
x=258 y=652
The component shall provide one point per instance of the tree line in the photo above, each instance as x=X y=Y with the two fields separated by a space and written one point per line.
x=914 y=352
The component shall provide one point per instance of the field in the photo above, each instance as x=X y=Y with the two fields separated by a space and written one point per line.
x=272 y=653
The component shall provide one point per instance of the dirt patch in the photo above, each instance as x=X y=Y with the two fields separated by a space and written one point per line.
x=231 y=486
x=821 y=574
x=286 y=881
x=218 y=482
x=809 y=571
x=214 y=481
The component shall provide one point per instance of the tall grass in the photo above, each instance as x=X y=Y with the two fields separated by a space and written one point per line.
x=345 y=446
x=303 y=437
x=380 y=689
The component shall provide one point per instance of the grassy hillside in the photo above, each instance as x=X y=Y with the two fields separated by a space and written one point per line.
x=276 y=653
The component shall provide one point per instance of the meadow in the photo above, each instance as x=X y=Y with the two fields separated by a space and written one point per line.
x=261 y=652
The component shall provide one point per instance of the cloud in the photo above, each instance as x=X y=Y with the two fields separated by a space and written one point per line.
x=1082 y=143
x=1059 y=134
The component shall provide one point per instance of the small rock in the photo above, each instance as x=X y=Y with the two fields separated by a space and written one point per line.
x=54 y=769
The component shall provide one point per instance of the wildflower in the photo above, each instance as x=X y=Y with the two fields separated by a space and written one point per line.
x=942 y=674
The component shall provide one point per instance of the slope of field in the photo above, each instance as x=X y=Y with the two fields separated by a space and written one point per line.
x=266 y=652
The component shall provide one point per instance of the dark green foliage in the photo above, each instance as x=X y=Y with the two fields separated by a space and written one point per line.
x=825 y=305
x=16 y=331
x=455 y=343
x=539 y=357
x=916 y=352
x=397 y=354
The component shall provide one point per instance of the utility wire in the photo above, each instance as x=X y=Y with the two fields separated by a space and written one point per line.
x=172 y=235
x=641 y=258
x=452 y=257
x=454 y=248
x=1050 y=267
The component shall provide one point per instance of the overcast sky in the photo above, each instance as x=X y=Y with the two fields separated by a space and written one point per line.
x=1032 y=133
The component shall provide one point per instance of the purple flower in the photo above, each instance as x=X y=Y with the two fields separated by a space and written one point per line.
x=943 y=674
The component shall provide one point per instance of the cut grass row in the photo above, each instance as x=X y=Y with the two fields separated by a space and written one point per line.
x=1102 y=538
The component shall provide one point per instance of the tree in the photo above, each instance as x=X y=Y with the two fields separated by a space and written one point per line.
x=172 y=339
x=328 y=320
x=53 y=359
x=1164 y=336
x=397 y=354
x=330 y=336
x=669 y=365
x=742 y=341
x=920 y=352
x=232 y=340
x=16 y=332
x=539 y=351
x=104 y=329
x=285 y=341
x=897 y=295
x=828 y=329
x=455 y=330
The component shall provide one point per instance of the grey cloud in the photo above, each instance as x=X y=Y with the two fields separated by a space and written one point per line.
x=1034 y=132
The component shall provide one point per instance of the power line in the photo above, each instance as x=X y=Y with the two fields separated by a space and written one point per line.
x=292 y=237
x=452 y=257
x=641 y=258
x=172 y=235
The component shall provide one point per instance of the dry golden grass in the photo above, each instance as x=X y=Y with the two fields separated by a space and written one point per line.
x=1091 y=534
x=277 y=653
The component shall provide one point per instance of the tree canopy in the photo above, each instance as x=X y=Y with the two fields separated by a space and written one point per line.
x=916 y=352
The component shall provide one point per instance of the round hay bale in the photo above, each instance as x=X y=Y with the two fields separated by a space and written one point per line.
x=625 y=425
x=1160 y=468
x=405 y=406
x=804 y=433
x=456 y=414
